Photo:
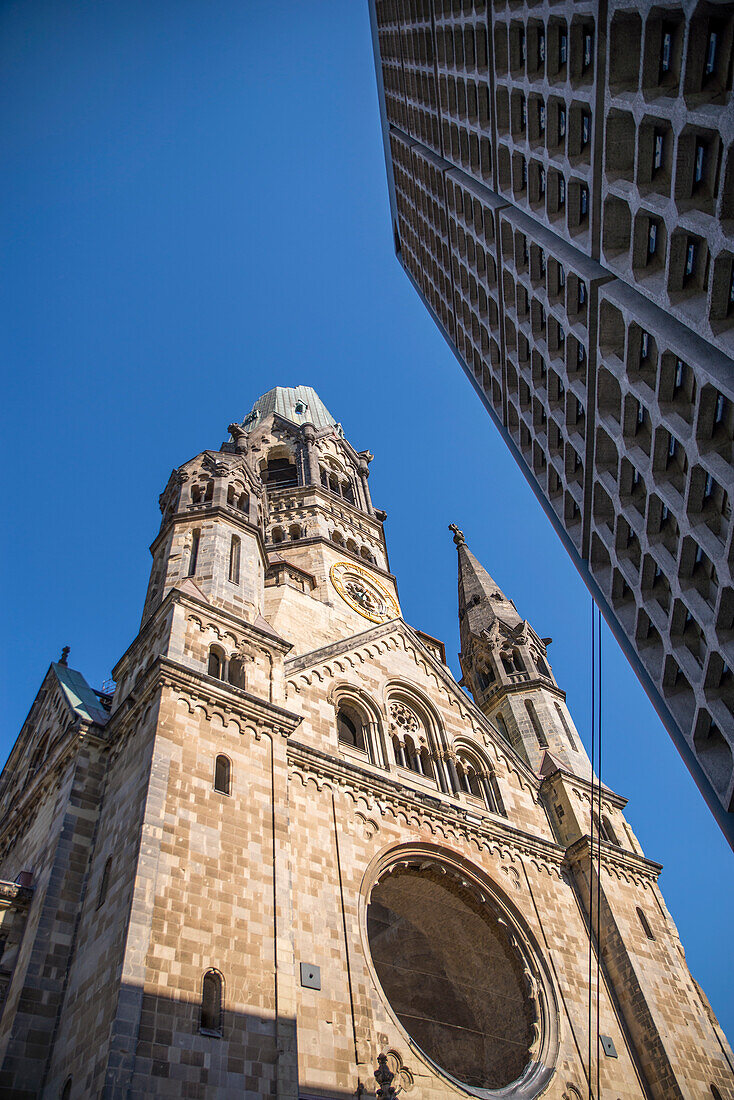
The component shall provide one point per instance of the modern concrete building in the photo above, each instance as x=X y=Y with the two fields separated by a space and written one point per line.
x=561 y=180
x=290 y=857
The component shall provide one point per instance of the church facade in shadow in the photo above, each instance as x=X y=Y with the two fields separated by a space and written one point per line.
x=289 y=850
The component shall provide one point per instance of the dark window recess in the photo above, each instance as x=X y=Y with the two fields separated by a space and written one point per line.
x=666 y=52
x=194 y=555
x=222 y=775
x=652 y=238
x=211 y=1002
x=699 y=163
x=280 y=473
x=585 y=129
x=588 y=46
x=562 y=50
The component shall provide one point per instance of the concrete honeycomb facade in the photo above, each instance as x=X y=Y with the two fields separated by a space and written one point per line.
x=268 y=863
x=561 y=181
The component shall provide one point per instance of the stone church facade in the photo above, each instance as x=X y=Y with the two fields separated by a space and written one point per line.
x=290 y=851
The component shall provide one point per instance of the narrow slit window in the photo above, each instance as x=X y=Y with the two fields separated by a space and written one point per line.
x=561 y=191
x=541 y=48
x=691 y=255
x=222 y=775
x=104 y=883
x=211 y=1003
x=645 y=924
x=566 y=727
x=561 y=123
x=194 y=553
x=699 y=163
x=652 y=238
x=712 y=48
x=234 y=560
x=657 y=159
x=666 y=53
x=584 y=202
x=535 y=722
x=562 y=50
x=585 y=129
x=588 y=42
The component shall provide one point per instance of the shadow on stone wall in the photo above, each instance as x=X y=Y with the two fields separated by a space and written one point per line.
x=162 y=1051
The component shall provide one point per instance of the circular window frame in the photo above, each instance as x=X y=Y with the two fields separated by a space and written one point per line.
x=541 y=1068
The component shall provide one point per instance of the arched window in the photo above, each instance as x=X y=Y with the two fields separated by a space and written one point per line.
x=535 y=722
x=607 y=831
x=507 y=663
x=222 y=774
x=294 y=531
x=230 y=496
x=517 y=661
x=501 y=726
x=566 y=727
x=216 y=662
x=337 y=537
x=715 y=1092
x=237 y=672
x=348 y=492
x=234 y=560
x=104 y=883
x=66 y=1090
x=194 y=554
x=211 y=1003
x=196 y=494
x=352 y=546
x=280 y=473
x=366 y=554
x=351 y=728
x=542 y=666
x=645 y=924
x=485 y=676
x=209 y=494
x=277 y=534
x=243 y=503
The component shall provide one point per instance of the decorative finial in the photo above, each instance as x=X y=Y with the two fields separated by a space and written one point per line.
x=458 y=535
x=63 y=659
x=384 y=1077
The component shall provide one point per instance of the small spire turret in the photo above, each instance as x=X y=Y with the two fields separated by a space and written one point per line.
x=505 y=667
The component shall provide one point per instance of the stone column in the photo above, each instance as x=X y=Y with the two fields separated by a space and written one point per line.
x=364 y=473
x=450 y=758
x=310 y=458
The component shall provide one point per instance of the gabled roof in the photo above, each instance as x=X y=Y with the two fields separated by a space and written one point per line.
x=78 y=694
x=304 y=661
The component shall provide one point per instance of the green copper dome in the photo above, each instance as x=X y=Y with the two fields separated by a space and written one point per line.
x=299 y=404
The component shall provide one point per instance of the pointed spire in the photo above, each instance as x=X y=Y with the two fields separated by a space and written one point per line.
x=481 y=600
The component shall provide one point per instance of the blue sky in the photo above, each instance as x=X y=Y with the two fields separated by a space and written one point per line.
x=194 y=209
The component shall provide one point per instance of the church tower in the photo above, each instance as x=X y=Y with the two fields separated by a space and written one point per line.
x=506 y=668
x=289 y=856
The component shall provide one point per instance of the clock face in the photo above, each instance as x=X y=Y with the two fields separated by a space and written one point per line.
x=363 y=592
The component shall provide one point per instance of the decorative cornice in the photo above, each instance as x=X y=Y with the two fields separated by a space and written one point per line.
x=618 y=861
x=434 y=807
x=584 y=785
